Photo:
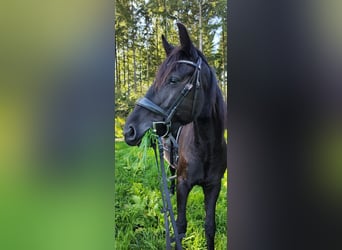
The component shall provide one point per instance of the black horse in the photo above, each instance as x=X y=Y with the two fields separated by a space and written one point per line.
x=185 y=93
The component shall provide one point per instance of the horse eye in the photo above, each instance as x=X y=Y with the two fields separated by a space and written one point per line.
x=173 y=80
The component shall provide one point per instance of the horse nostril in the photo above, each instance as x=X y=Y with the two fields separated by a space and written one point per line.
x=130 y=133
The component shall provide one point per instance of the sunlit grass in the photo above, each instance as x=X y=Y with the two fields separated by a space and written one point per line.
x=139 y=223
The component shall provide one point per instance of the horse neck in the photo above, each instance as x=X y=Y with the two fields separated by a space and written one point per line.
x=208 y=130
x=209 y=126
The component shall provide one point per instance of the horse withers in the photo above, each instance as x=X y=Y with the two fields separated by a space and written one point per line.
x=185 y=93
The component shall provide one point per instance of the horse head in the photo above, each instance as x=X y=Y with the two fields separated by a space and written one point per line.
x=179 y=94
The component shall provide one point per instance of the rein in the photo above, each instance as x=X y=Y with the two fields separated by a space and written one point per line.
x=167 y=206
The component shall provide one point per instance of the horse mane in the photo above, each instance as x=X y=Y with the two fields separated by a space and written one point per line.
x=216 y=107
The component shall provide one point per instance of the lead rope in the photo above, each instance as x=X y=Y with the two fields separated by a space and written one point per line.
x=167 y=206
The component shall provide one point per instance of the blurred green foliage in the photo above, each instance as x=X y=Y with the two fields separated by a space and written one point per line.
x=55 y=195
x=119 y=124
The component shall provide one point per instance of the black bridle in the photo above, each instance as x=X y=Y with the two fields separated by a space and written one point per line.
x=162 y=128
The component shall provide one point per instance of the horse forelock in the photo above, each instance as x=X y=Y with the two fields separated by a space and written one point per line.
x=167 y=67
x=170 y=64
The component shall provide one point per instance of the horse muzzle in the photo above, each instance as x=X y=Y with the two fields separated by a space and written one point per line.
x=130 y=134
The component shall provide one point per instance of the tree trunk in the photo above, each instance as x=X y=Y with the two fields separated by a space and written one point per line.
x=224 y=67
x=126 y=80
x=200 y=25
x=140 y=69
x=117 y=71
x=134 y=68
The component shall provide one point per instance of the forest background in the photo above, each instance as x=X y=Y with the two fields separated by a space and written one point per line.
x=139 y=25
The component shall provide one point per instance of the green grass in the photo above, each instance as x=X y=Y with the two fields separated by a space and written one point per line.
x=139 y=223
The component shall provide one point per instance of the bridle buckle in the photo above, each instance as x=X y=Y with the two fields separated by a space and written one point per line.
x=162 y=128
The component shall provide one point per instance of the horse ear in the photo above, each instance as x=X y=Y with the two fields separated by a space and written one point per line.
x=167 y=47
x=185 y=41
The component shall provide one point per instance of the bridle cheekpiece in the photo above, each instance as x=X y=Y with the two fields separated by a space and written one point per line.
x=162 y=128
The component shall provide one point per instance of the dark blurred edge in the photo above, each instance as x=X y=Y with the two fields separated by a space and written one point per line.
x=284 y=96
